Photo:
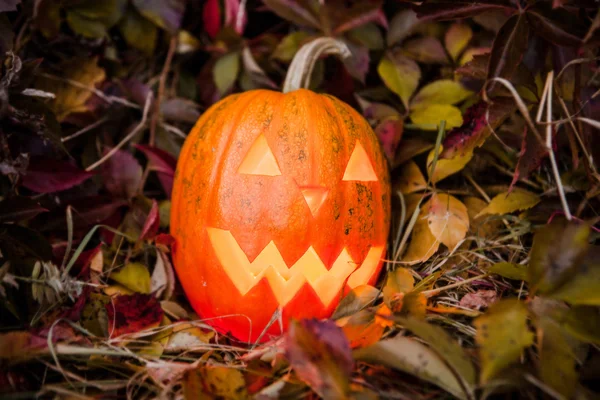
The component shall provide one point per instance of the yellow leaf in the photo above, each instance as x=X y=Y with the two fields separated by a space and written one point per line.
x=69 y=98
x=422 y=243
x=502 y=334
x=208 y=382
x=456 y=39
x=117 y=290
x=398 y=281
x=446 y=166
x=400 y=74
x=428 y=117
x=448 y=219
x=186 y=336
x=505 y=203
x=444 y=91
x=134 y=276
x=411 y=179
x=471 y=52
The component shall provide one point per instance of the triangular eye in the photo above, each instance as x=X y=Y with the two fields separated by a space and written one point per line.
x=260 y=160
x=359 y=166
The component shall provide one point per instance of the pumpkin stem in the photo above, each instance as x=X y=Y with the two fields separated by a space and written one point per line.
x=304 y=61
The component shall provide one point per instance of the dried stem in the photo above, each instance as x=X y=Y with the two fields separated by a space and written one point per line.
x=161 y=88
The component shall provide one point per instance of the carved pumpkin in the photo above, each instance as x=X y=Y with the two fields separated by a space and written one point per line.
x=281 y=201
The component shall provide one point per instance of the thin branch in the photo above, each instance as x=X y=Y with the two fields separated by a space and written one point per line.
x=84 y=130
x=127 y=138
x=161 y=88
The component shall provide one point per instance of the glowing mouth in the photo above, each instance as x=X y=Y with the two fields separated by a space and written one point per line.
x=287 y=281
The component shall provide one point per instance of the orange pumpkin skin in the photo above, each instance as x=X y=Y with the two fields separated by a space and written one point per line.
x=274 y=206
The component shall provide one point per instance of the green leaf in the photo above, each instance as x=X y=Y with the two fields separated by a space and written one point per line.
x=557 y=357
x=368 y=35
x=225 y=71
x=401 y=26
x=557 y=251
x=429 y=117
x=134 y=276
x=508 y=48
x=502 y=334
x=94 y=18
x=443 y=91
x=400 y=74
x=445 y=346
x=412 y=357
x=289 y=45
x=138 y=32
x=165 y=13
x=510 y=270
x=582 y=322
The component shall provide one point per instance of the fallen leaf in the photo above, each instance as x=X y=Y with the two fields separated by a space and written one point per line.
x=320 y=355
x=134 y=276
x=457 y=38
x=162 y=282
x=399 y=281
x=506 y=203
x=479 y=299
x=445 y=346
x=356 y=300
x=132 y=314
x=361 y=329
x=163 y=163
x=150 y=228
x=443 y=91
x=412 y=357
x=483 y=226
x=69 y=98
x=582 y=323
x=389 y=131
x=510 y=270
x=447 y=218
x=122 y=174
x=502 y=334
x=422 y=243
x=530 y=157
x=429 y=117
x=46 y=175
x=411 y=179
x=400 y=74
x=427 y=49
x=186 y=336
x=211 y=381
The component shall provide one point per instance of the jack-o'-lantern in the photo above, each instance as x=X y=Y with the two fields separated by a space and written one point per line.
x=281 y=201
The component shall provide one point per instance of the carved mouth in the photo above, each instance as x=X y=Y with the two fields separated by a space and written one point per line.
x=287 y=281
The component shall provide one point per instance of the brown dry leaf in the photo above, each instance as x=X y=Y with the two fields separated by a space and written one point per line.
x=210 y=382
x=83 y=72
x=448 y=220
x=410 y=148
x=422 y=243
x=411 y=178
x=319 y=353
x=446 y=166
x=399 y=281
x=186 y=336
x=162 y=282
x=478 y=300
x=480 y=226
x=356 y=300
x=505 y=203
x=361 y=329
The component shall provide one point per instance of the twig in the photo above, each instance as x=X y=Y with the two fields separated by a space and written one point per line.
x=433 y=292
x=161 y=88
x=84 y=130
x=127 y=138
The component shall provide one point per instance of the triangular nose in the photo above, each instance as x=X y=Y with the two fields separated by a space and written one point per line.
x=315 y=197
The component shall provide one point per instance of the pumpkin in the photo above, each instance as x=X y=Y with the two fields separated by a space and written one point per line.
x=281 y=202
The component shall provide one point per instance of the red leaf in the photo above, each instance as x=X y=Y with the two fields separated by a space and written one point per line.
x=122 y=174
x=556 y=25
x=163 y=163
x=475 y=129
x=530 y=157
x=152 y=223
x=19 y=208
x=389 y=132
x=128 y=314
x=164 y=239
x=320 y=354
x=211 y=16
x=46 y=175
x=358 y=14
x=457 y=9
x=508 y=48
x=232 y=17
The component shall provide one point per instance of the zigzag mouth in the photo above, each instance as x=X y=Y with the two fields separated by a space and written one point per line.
x=287 y=281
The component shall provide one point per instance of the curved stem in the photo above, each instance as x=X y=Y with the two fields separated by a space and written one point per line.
x=304 y=61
